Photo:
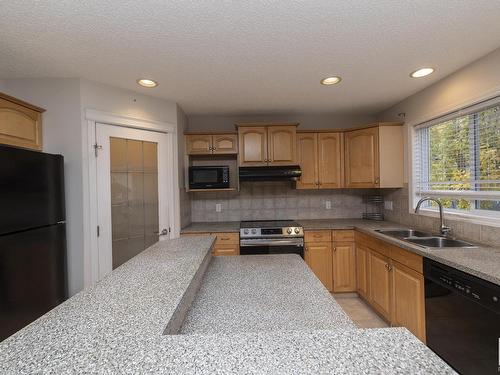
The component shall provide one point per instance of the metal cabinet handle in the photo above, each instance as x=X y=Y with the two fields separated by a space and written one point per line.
x=334 y=249
x=377 y=180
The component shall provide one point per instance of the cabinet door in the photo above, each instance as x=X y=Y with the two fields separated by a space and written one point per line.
x=362 y=158
x=307 y=157
x=330 y=160
x=362 y=270
x=252 y=146
x=225 y=144
x=199 y=144
x=318 y=256
x=282 y=143
x=408 y=299
x=380 y=283
x=344 y=267
x=20 y=126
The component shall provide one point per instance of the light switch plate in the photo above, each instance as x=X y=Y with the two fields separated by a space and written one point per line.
x=328 y=205
x=388 y=205
x=218 y=207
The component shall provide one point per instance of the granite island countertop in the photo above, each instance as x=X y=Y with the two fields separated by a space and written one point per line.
x=277 y=293
x=482 y=261
x=117 y=327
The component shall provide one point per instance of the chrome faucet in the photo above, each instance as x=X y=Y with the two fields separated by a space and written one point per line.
x=443 y=229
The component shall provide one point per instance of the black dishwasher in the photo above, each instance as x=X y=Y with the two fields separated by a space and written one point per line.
x=462 y=314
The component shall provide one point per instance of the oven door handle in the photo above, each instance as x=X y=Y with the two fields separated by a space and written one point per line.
x=269 y=242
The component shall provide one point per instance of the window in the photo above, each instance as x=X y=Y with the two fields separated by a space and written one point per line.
x=457 y=158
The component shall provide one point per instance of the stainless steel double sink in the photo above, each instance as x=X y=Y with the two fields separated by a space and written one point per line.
x=424 y=239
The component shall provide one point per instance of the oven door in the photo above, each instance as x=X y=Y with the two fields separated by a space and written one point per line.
x=250 y=246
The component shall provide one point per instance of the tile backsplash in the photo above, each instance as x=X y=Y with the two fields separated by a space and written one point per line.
x=461 y=229
x=277 y=200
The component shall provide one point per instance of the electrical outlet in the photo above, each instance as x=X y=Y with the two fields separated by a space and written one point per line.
x=218 y=207
x=328 y=205
x=388 y=205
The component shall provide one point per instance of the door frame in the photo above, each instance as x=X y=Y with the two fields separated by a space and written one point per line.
x=90 y=210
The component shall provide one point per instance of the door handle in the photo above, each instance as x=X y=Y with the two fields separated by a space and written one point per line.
x=164 y=232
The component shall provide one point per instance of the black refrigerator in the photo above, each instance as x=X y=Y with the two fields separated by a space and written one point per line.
x=33 y=276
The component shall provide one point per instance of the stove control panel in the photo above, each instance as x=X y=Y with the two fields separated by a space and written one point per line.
x=272 y=232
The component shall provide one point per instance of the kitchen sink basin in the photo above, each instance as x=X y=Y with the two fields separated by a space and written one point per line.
x=438 y=242
x=403 y=233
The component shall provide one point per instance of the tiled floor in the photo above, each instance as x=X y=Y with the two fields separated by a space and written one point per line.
x=362 y=314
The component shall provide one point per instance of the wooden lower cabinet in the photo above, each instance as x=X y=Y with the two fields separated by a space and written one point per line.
x=379 y=278
x=344 y=267
x=225 y=244
x=408 y=299
x=318 y=256
x=362 y=270
x=226 y=250
x=392 y=283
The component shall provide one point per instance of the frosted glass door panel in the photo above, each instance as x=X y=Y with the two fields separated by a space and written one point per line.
x=134 y=197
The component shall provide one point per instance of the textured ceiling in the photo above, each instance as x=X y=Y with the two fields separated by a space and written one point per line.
x=250 y=56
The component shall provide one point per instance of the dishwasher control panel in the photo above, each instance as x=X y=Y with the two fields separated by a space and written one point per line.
x=483 y=292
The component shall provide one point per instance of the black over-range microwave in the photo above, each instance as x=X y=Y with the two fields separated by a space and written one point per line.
x=209 y=177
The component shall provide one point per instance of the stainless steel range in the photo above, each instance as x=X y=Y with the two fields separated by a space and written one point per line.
x=271 y=237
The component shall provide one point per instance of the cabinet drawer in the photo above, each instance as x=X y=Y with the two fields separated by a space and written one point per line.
x=318 y=236
x=343 y=235
x=407 y=258
x=228 y=249
x=227 y=238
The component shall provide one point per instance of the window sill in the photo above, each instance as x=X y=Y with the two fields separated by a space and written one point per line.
x=466 y=218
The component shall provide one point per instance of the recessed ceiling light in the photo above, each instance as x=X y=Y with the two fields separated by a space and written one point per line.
x=331 y=80
x=422 y=72
x=144 y=82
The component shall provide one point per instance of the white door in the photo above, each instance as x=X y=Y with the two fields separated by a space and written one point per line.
x=132 y=192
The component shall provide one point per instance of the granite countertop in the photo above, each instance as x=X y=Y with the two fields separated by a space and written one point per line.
x=278 y=292
x=483 y=261
x=118 y=325
x=207 y=227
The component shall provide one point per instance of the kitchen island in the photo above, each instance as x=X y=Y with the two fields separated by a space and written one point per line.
x=119 y=326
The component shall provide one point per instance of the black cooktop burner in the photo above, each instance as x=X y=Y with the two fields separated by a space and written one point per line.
x=268 y=224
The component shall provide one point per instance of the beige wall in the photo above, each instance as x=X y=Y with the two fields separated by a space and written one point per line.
x=184 y=197
x=475 y=82
x=307 y=121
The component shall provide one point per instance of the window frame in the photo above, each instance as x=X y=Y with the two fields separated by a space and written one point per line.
x=462 y=110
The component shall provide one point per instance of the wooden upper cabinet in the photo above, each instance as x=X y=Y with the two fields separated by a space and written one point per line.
x=361 y=158
x=281 y=145
x=320 y=158
x=344 y=267
x=253 y=145
x=330 y=168
x=380 y=283
x=199 y=144
x=374 y=156
x=267 y=145
x=20 y=123
x=307 y=158
x=408 y=299
x=207 y=144
x=225 y=144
